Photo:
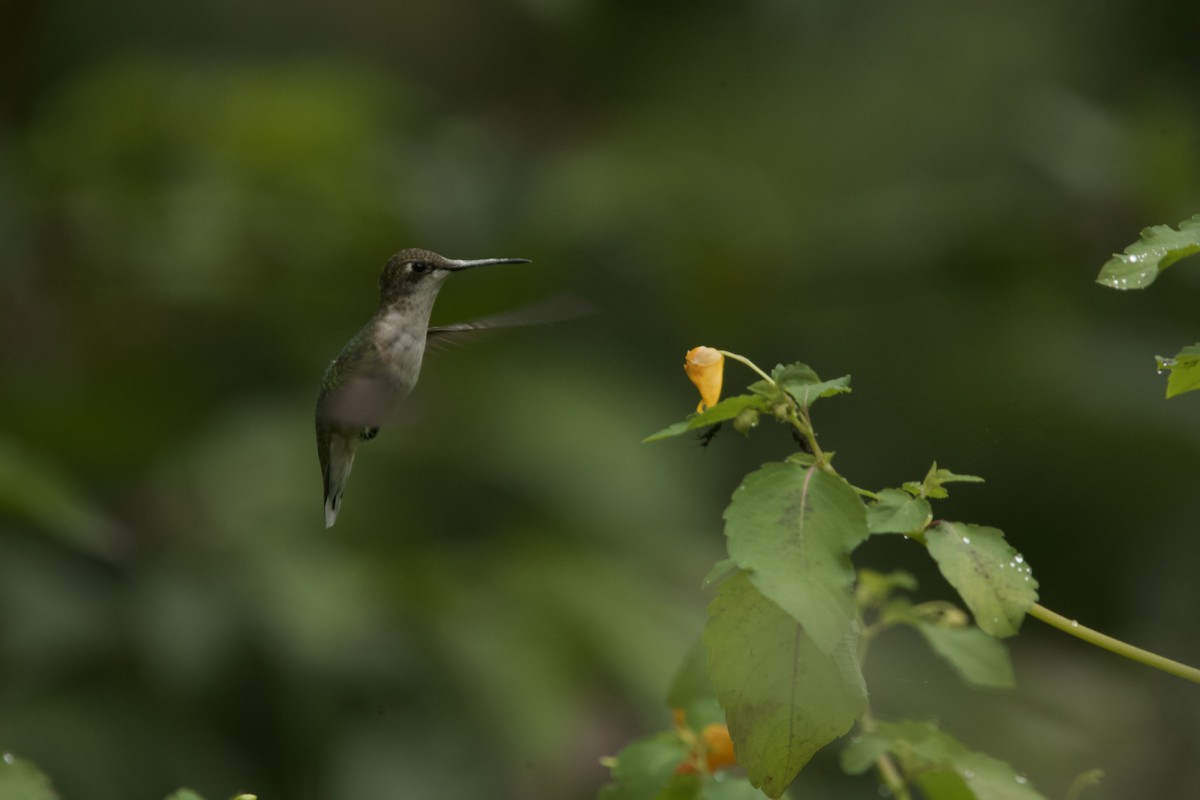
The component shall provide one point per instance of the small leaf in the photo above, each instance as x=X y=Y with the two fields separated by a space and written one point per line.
x=875 y=588
x=719 y=572
x=1082 y=781
x=21 y=780
x=1185 y=370
x=793 y=528
x=980 y=659
x=184 y=794
x=990 y=576
x=898 y=511
x=944 y=784
x=946 y=770
x=802 y=383
x=934 y=484
x=728 y=408
x=722 y=787
x=944 y=476
x=807 y=459
x=737 y=789
x=644 y=768
x=784 y=698
x=862 y=752
x=989 y=778
x=1159 y=247
x=685 y=786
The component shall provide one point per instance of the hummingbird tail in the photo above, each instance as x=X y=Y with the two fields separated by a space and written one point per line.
x=332 y=504
x=341 y=459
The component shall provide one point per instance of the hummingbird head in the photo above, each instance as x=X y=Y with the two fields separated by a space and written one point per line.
x=415 y=273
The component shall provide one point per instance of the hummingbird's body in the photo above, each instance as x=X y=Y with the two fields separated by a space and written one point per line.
x=379 y=366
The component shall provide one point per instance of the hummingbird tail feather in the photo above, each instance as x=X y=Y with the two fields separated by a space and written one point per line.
x=332 y=504
x=341 y=459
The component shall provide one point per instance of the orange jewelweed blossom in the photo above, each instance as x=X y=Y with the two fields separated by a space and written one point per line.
x=711 y=752
x=718 y=747
x=705 y=366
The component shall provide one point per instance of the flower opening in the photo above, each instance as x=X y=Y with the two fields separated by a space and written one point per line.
x=705 y=366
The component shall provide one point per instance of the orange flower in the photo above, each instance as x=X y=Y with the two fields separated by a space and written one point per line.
x=718 y=747
x=706 y=367
x=711 y=751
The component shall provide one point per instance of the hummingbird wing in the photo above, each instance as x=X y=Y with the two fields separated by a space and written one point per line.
x=557 y=308
x=355 y=399
x=357 y=393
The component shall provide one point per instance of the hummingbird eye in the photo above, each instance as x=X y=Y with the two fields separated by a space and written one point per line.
x=419 y=267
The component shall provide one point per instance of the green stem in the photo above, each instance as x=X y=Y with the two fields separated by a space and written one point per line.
x=885 y=765
x=803 y=423
x=891 y=777
x=748 y=363
x=1114 y=645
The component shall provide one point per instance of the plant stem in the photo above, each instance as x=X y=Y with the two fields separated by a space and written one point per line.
x=891 y=777
x=748 y=363
x=1114 y=645
x=889 y=773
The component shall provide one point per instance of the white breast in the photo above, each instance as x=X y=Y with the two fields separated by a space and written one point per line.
x=402 y=346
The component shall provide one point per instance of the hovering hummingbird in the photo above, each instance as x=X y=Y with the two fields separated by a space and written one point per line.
x=378 y=367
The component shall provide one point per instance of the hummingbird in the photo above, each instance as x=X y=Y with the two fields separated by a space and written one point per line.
x=378 y=367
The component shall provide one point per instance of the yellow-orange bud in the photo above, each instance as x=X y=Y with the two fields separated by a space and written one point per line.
x=705 y=366
x=718 y=747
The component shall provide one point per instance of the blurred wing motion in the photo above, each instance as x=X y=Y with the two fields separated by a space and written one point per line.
x=356 y=398
x=558 y=308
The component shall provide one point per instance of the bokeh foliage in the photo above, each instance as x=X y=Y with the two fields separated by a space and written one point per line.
x=194 y=203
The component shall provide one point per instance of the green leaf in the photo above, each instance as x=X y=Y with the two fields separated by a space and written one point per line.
x=728 y=408
x=802 y=383
x=934 y=484
x=897 y=511
x=944 y=785
x=989 y=778
x=875 y=588
x=21 y=780
x=793 y=528
x=784 y=698
x=681 y=787
x=723 y=787
x=1084 y=780
x=861 y=754
x=644 y=768
x=992 y=578
x=946 y=770
x=807 y=459
x=980 y=659
x=1185 y=370
x=1159 y=247
x=719 y=572
x=184 y=794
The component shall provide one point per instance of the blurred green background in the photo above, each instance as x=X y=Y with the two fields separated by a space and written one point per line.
x=195 y=201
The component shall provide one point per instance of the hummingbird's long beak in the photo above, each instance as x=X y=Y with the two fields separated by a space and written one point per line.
x=457 y=264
